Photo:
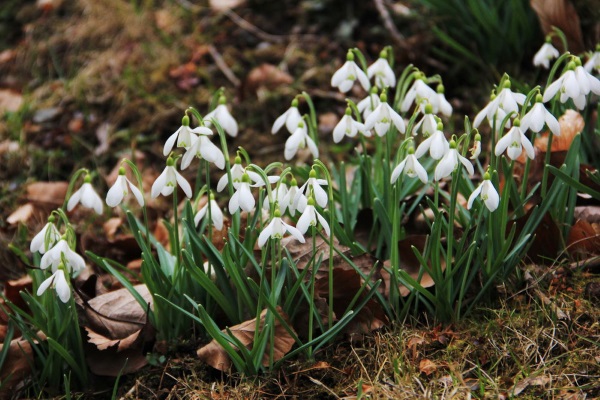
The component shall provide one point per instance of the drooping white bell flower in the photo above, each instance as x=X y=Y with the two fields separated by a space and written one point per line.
x=216 y=214
x=576 y=83
x=59 y=282
x=290 y=119
x=277 y=196
x=222 y=115
x=476 y=149
x=299 y=139
x=418 y=93
x=313 y=186
x=383 y=117
x=54 y=257
x=311 y=217
x=449 y=162
x=277 y=228
x=594 y=61
x=87 y=196
x=535 y=118
x=428 y=123
x=546 y=53
x=242 y=198
x=488 y=193
x=202 y=147
x=348 y=127
x=237 y=172
x=294 y=198
x=344 y=78
x=411 y=167
x=437 y=144
x=514 y=141
x=120 y=189
x=443 y=105
x=367 y=105
x=46 y=238
x=505 y=102
x=168 y=180
x=381 y=70
x=183 y=136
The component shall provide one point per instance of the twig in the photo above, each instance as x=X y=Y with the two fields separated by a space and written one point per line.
x=318 y=382
x=388 y=23
x=588 y=264
x=242 y=23
x=223 y=66
x=560 y=314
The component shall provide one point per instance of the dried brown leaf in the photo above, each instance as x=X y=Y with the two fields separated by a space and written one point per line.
x=10 y=101
x=47 y=193
x=17 y=365
x=267 y=76
x=584 y=239
x=571 y=124
x=215 y=356
x=21 y=214
x=427 y=367
x=563 y=15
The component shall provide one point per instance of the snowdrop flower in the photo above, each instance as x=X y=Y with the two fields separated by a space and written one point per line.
x=277 y=196
x=594 y=61
x=443 y=105
x=223 y=117
x=277 y=228
x=411 y=167
x=574 y=84
x=476 y=149
x=381 y=70
x=546 y=53
x=202 y=147
x=216 y=214
x=535 y=119
x=504 y=103
x=449 y=162
x=348 y=127
x=183 y=135
x=488 y=193
x=382 y=118
x=242 y=198
x=46 y=238
x=168 y=180
x=344 y=77
x=313 y=186
x=291 y=201
x=291 y=118
x=119 y=190
x=237 y=172
x=436 y=144
x=300 y=139
x=418 y=92
x=367 y=105
x=515 y=140
x=54 y=257
x=87 y=196
x=428 y=123
x=59 y=282
x=310 y=217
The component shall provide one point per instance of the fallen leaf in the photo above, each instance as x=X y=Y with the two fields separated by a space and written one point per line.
x=587 y=213
x=47 y=193
x=523 y=384
x=560 y=14
x=16 y=367
x=267 y=76
x=21 y=214
x=571 y=124
x=215 y=356
x=102 y=134
x=427 y=367
x=584 y=239
x=185 y=76
x=10 y=101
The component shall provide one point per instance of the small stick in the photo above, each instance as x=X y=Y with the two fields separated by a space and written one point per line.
x=223 y=66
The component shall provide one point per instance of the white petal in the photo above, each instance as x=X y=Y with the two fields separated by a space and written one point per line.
x=421 y=172
x=340 y=75
x=136 y=193
x=294 y=232
x=62 y=287
x=211 y=153
x=552 y=89
x=228 y=123
x=200 y=214
x=265 y=234
x=170 y=143
x=187 y=189
x=217 y=215
x=398 y=121
x=115 y=194
x=473 y=196
x=397 y=171
x=320 y=195
x=467 y=164
x=492 y=198
x=553 y=124
x=247 y=201
x=74 y=200
x=362 y=78
x=502 y=144
x=234 y=203
x=528 y=147
x=306 y=219
x=312 y=147
x=222 y=182
x=45 y=285
x=323 y=223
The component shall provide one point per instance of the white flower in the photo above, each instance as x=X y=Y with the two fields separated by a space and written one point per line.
x=476 y=149
x=348 y=127
x=535 y=119
x=223 y=117
x=312 y=185
x=278 y=196
x=574 y=84
x=242 y=198
x=87 y=196
x=183 y=135
x=46 y=238
x=276 y=229
x=300 y=139
x=449 y=162
x=443 y=105
x=54 y=256
x=367 y=105
x=427 y=124
x=515 y=140
x=237 y=172
x=293 y=202
x=543 y=56
x=168 y=180
x=310 y=217
x=381 y=70
x=202 y=147
x=344 y=77
x=382 y=118
x=488 y=192
x=411 y=167
x=504 y=103
x=216 y=214
x=437 y=144
x=120 y=189
x=587 y=82
x=419 y=92
x=291 y=118
x=60 y=283
x=593 y=62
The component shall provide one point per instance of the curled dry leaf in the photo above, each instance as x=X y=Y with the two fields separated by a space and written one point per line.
x=584 y=239
x=215 y=356
x=427 y=367
x=47 y=193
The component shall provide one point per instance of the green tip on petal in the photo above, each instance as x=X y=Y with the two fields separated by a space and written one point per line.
x=350 y=56
x=577 y=61
x=300 y=124
x=598 y=47
x=428 y=108
x=185 y=121
x=548 y=38
x=211 y=196
x=374 y=90
x=170 y=161
x=121 y=171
